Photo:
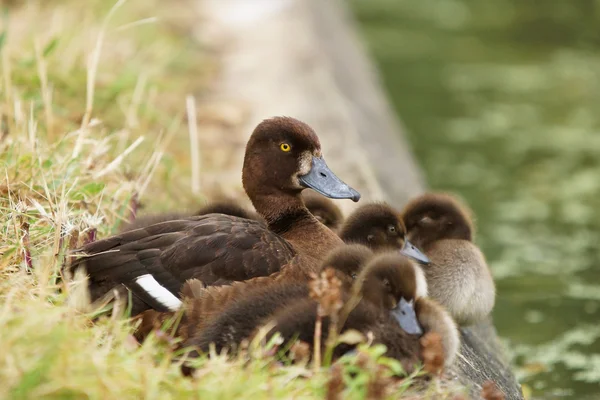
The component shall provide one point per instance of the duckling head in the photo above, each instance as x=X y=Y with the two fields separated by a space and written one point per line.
x=437 y=216
x=348 y=260
x=323 y=209
x=283 y=157
x=393 y=282
x=380 y=227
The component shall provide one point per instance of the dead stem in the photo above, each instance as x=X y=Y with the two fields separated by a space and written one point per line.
x=317 y=340
x=90 y=237
x=46 y=92
x=26 y=245
x=133 y=206
x=91 y=79
x=195 y=154
x=4 y=128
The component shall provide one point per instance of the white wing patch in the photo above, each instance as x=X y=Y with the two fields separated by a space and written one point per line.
x=158 y=292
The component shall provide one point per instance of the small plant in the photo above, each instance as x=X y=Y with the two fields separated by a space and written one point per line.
x=92 y=124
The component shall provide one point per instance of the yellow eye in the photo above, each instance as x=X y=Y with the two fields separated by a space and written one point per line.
x=285 y=147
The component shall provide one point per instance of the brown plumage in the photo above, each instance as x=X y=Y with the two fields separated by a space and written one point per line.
x=320 y=206
x=458 y=276
x=228 y=207
x=283 y=156
x=202 y=303
x=376 y=225
x=389 y=287
x=323 y=209
x=380 y=227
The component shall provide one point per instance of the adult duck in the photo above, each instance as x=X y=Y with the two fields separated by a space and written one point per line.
x=391 y=306
x=458 y=276
x=283 y=157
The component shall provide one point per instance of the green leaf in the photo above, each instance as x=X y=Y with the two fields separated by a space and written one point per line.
x=2 y=40
x=93 y=188
x=394 y=365
x=351 y=336
x=50 y=47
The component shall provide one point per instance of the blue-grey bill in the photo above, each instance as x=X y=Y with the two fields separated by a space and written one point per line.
x=410 y=250
x=406 y=316
x=322 y=180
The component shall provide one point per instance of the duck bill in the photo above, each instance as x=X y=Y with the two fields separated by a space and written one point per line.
x=322 y=180
x=406 y=316
x=410 y=250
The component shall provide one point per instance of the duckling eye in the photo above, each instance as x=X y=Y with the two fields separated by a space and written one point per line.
x=285 y=147
x=391 y=229
x=353 y=275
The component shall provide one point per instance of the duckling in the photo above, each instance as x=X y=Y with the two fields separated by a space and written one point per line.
x=458 y=276
x=380 y=227
x=323 y=209
x=202 y=304
x=390 y=308
x=225 y=206
x=229 y=207
x=283 y=157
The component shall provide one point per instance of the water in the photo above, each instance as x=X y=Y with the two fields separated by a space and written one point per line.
x=501 y=101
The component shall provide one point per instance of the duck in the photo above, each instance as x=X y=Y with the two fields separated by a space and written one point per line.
x=380 y=227
x=283 y=157
x=458 y=276
x=390 y=307
x=202 y=303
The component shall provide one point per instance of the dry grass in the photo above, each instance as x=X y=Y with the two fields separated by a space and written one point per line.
x=93 y=118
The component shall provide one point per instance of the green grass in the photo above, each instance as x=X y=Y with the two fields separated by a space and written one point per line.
x=93 y=119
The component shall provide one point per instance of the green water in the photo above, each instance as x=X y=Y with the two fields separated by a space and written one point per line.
x=501 y=101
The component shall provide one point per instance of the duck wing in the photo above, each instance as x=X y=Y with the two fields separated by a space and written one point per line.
x=155 y=261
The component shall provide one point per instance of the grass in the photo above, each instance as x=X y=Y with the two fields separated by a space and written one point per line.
x=93 y=121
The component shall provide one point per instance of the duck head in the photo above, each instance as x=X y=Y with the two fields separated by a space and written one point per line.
x=436 y=216
x=283 y=157
x=380 y=227
x=348 y=260
x=323 y=209
x=393 y=282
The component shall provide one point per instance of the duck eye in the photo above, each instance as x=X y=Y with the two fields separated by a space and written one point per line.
x=285 y=147
x=391 y=229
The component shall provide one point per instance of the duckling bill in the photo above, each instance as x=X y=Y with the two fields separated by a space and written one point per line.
x=406 y=316
x=380 y=227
